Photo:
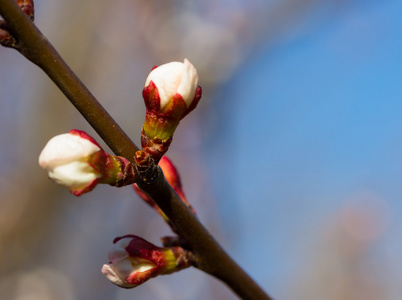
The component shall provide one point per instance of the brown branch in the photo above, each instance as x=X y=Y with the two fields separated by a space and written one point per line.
x=211 y=258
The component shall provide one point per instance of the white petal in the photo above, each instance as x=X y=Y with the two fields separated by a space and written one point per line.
x=73 y=175
x=115 y=276
x=119 y=252
x=118 y=272
x=189 y=82
x=65 y=148
x=141 y=265
x=167 y=79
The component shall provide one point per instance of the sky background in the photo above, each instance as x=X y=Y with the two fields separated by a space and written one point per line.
x=292 y=159
x=313 y=127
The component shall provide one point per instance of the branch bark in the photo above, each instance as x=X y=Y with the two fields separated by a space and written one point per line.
x=211 y=258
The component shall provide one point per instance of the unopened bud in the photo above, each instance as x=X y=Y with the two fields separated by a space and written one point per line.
x=134 y=260
x=171 y=91
x=75 y=160
x=66 y=158
x=173 y=178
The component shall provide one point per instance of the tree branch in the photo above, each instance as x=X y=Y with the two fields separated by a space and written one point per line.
x=211 y=258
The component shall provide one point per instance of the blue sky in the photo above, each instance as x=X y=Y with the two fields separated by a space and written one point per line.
x=309 y=122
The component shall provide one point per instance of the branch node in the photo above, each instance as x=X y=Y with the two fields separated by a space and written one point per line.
x=146 y=167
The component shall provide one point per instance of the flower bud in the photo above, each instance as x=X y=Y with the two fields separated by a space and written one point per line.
x=173 y=178
x=171 y=91
x=67 y=157
x=75 y=160
x=171 y=79
x=133 y=261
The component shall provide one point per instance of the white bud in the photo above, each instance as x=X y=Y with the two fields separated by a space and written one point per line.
x=124 y=268
x=173 y=78
x=65 y=159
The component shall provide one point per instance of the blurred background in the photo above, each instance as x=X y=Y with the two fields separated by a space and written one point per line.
x=292 y=158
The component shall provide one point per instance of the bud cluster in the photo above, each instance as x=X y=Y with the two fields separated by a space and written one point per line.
x=75 y=160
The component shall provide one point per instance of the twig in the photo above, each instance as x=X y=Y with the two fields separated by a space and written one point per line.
x=211 y=258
